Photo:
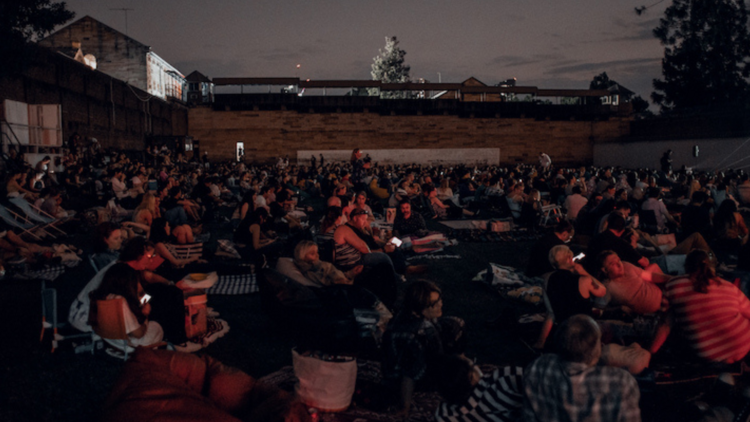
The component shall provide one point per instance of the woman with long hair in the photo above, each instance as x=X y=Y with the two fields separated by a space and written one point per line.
x=713 y=313
x=121 y=281
x=729 y=226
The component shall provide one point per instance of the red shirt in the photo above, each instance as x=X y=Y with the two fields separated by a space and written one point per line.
x=717 y=322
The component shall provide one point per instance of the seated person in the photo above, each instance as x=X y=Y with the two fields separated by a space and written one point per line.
x=539 y=263
x=631 y=286
x=570 y=287
x=279 y=212
x=610 y=240
x=567 y=385
x=408 y=223
x=654 y=203
x=379 y=274
x=360 y=202
x=167 y=301
x=170 y=386
x=442 y=209
x=574 y=203
x=107 y=242
x=471 y=395
x=729 y=226
x=253 y=242
x=531 y=210
x=415 y=339
x=320 y=273
x=712 y=312
x=172 y=267
x=123 y=282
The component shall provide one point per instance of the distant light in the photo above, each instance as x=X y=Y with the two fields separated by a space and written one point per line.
x=298 y=65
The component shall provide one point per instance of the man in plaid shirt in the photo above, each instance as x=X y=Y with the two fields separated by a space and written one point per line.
x=568 y=386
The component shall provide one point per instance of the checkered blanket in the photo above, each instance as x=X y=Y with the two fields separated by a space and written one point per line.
x=46 y=272
x=236 y=284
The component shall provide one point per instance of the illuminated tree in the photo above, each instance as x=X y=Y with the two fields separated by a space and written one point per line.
x=388 y=67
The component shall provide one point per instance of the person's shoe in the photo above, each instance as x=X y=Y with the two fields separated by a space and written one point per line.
x=416 y=269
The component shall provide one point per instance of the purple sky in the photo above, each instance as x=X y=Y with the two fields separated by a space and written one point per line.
x=544 y=43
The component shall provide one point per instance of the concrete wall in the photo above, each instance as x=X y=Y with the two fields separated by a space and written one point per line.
x=268 y=134
x=443 y=156
x=714 y=154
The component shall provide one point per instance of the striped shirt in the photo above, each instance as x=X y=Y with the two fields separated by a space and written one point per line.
x=496 y=397
x=717 y=323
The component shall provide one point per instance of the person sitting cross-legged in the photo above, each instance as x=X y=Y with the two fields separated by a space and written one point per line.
x=569 y=386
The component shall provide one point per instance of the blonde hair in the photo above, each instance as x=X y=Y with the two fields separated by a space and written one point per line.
x=557 y=251
x=302 y=248
x=148 y=203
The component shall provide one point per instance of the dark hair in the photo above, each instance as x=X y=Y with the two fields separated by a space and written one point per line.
x=332 y=214
x=417 y=296
x=654 y=192
x=454 y=378
x=616 y=221
x=428 y=188
x=603 y=257
x=158 y=232
x=102 y=232
x=120 y=279
x=577 y=339
x=724 y=218
x=255 y=216
x=174 y=191
x=576 y=189
x=698 y=265
x=563 y=226
x=699 y=197
x=622 y=205
x=134 y=249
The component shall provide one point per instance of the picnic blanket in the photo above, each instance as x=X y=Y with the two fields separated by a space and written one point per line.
x=362 y=409
x=512 y=283
x=434 y=242
x=235 y=284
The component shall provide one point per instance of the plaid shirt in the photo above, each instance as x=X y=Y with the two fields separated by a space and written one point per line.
x=410 y=345
x=557 y=390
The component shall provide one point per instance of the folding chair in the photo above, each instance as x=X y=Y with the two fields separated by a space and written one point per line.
x=30 y=215
x=16 y=220
x=186 y=251
x=55 y=220
x=550 y=214
x=110 y=324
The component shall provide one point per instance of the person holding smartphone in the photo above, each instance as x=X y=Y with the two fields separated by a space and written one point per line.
x=121 y=281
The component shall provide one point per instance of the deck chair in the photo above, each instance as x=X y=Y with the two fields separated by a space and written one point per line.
x=25 y=211
x=29 y=210
x=55 y=220
x=186 y=251
x=110 y=324
x=20 y=222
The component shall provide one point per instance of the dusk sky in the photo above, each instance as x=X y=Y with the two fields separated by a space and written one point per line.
x=543 y=43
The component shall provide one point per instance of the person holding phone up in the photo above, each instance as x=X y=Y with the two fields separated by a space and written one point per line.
x=121 y=281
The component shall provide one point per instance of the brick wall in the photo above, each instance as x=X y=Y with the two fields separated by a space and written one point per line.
x=269 y=134
x=93 y=103
x=116 y=54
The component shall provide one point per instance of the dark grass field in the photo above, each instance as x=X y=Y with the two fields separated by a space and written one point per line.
x=36 y=385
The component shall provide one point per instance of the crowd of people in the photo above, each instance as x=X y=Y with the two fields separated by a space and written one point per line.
x=327 y=226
